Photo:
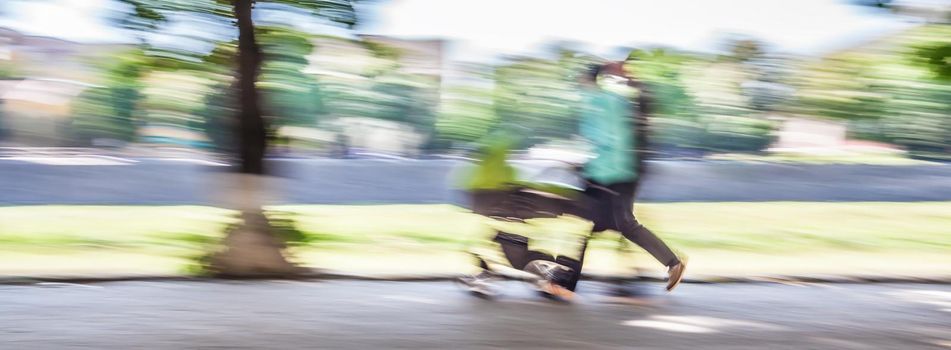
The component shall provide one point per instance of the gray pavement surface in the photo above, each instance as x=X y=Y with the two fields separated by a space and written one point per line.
x=331 y=181
x=437 y=315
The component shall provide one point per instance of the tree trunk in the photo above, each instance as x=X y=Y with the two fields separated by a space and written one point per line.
x=252 y=131
x=250 y=249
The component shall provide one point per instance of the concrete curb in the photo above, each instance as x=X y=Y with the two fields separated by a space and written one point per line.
x=332 y=275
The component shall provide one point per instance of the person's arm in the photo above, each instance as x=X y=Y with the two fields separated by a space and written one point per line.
x=641 y=121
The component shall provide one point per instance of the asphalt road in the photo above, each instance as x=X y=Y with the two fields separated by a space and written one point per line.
x=437 y=315
x=328 y=181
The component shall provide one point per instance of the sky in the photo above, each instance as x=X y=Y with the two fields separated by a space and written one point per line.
x=484 y=29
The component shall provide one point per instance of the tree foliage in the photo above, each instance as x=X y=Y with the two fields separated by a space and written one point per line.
x=109 y=112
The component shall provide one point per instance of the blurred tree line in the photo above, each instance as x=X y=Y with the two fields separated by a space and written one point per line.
x=150 y=86
x=896 y=91
x=156 y=86
x=698 y=104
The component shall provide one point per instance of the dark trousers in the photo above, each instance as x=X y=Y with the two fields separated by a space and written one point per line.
x=613 y=209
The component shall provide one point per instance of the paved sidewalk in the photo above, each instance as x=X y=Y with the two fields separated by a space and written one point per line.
x=437 y=315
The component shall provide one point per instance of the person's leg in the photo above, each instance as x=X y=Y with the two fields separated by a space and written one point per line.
x=622 y=213
x=627 y=224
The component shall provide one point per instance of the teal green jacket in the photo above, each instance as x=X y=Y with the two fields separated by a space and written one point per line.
x=605 y=122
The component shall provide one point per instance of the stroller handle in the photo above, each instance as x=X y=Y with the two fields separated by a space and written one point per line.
x=563 y=173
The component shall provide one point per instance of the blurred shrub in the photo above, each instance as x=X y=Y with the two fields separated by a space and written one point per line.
x=540 y=94
x=104 y=113
x=466 y=115
x=7 y=70
x=936 y=56
x=108 y=112
x=895 y=92
x=405 y=98
x=286 y=229
x=217 y=117
x=677 y=133
x=168 y=105
x=737 y=134
x=290 y=96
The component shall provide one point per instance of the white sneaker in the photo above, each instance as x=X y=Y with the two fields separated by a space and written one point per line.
x=480 y=285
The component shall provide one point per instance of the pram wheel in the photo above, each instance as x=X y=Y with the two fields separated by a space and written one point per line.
x=551 y=279
x=479 y=285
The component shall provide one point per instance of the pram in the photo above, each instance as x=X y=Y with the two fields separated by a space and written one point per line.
x=516 y=192
x=519 y=204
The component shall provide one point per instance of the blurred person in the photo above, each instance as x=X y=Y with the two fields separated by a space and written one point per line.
x=641 y=97
x=608 y=121
x=613 y=172
x=643 y=102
